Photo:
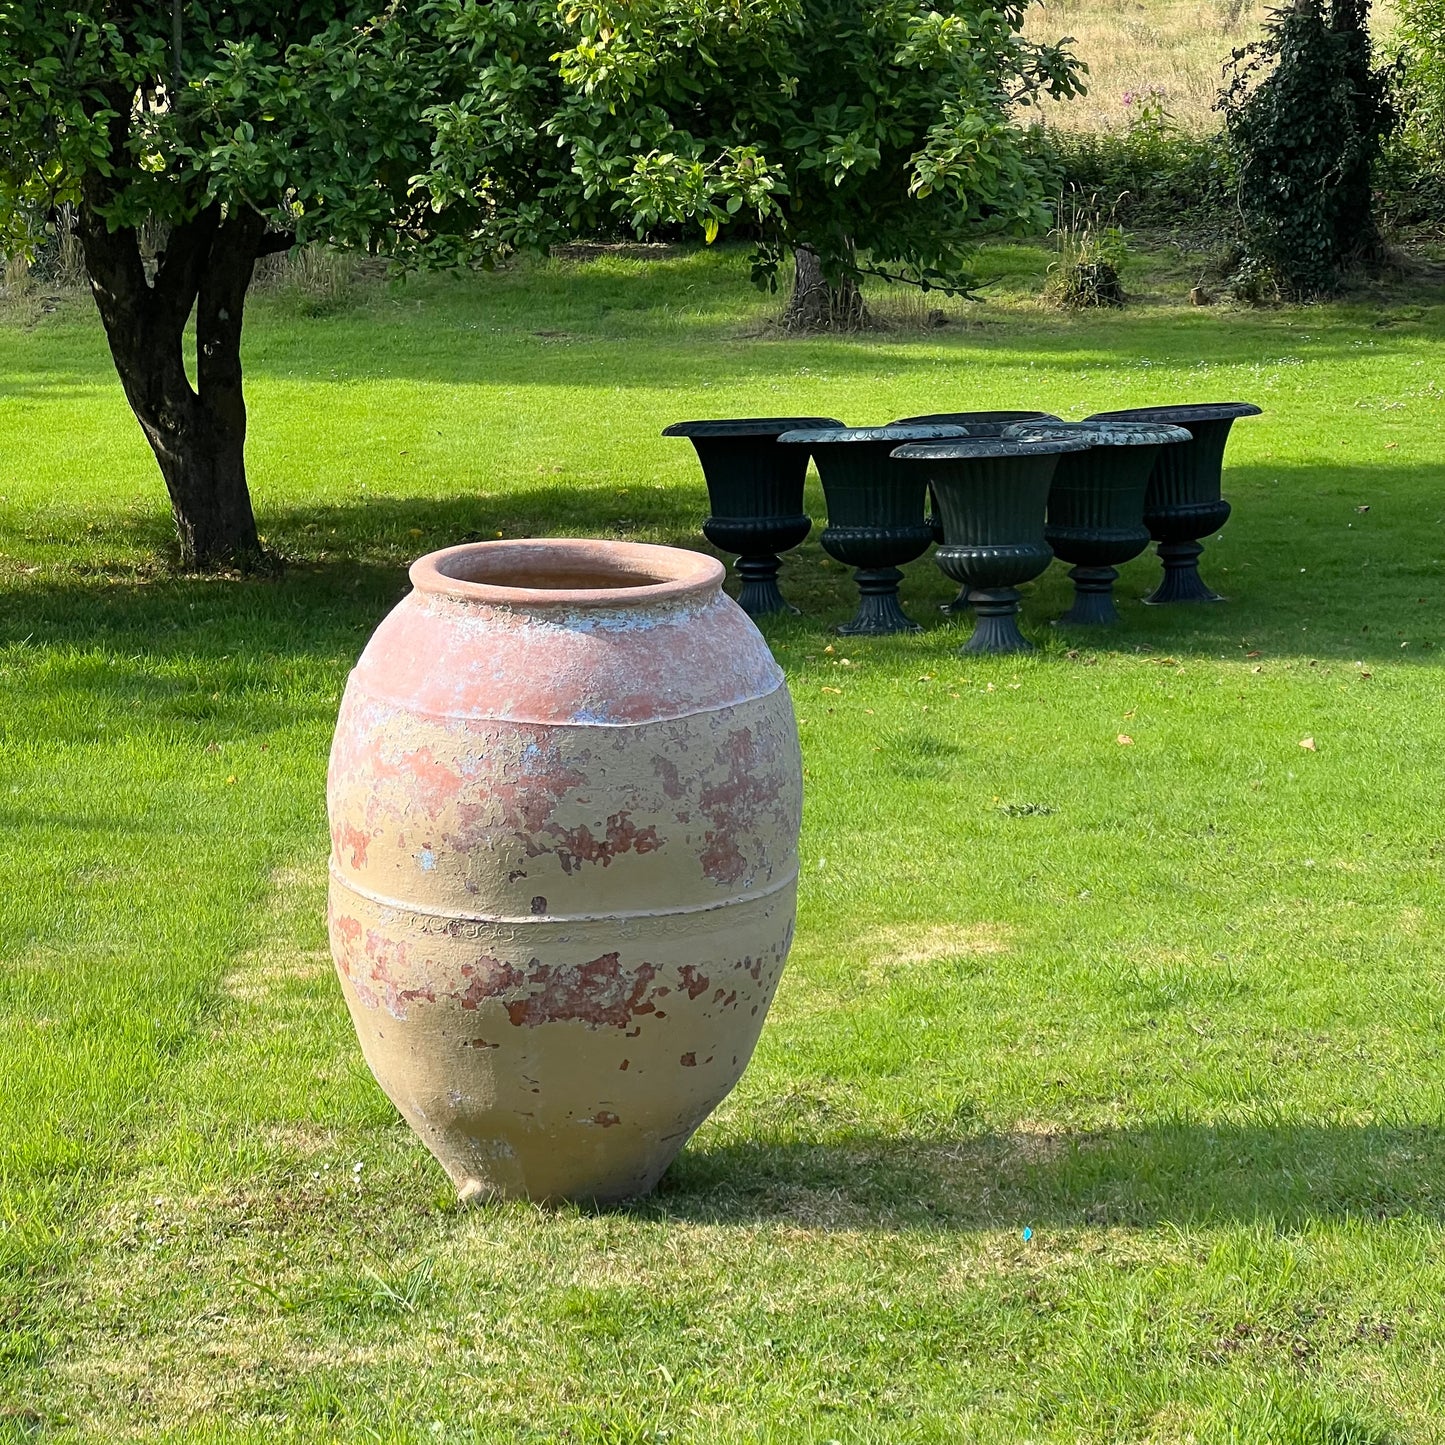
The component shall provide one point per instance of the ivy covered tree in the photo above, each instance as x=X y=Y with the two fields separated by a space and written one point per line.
x=865 y=134
x=1307 y=112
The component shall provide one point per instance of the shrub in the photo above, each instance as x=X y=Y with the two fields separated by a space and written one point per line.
x=1091 y=255
x=1422 y=28
x=311 y=281
x=1155 y=171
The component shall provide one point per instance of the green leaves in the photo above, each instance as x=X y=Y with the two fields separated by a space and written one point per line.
x=444 y=131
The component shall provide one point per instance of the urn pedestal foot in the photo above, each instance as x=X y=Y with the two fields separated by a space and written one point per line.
x=1093 y=597
x=879 y=612
x=997 y=629
x=760 y=595
x=1181 y=581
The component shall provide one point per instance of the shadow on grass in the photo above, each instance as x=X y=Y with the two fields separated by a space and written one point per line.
x=1306 y=572
x=1170 y=1173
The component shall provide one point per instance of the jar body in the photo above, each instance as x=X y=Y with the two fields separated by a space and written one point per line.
x=563 y=877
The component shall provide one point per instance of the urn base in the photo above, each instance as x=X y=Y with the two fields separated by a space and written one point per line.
x=760 y=595
x=879 y=611
x=1093 y=598
x=1181 y=581
x=997 y=628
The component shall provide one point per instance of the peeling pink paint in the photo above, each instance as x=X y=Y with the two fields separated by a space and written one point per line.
x=597 y=993
x=721 y=859
x=694 y=982
x=622 y=836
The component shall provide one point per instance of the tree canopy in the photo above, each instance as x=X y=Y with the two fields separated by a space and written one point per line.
x=874 y=133
x=886 y=127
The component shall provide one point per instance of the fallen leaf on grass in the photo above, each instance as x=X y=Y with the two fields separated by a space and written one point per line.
x=837 y=690
x=1308 y=744
x=1124 y=740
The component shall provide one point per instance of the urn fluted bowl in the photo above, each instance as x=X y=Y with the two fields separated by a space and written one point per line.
x=992 y=493
x=975 y=424
x=1184 y=501
x=755 y=490
x=564 y=796
x=1096 y=505
x=876 y=518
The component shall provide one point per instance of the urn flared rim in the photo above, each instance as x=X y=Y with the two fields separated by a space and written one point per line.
x=844 y=435
x=962 y=418
x=1104 y=431
x=567 y=573
x=967 y=449
x=1182 y=414
x=749 y=426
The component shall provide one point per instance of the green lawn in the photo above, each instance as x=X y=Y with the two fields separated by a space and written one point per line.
x=1103 y=1096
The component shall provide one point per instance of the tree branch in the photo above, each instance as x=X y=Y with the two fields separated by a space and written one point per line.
x=184 y=264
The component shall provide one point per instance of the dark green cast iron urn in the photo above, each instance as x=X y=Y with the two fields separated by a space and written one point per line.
x=992 y=493
x=1096 y=505
x=755 y=488
x=876 y=520
x=1183 y=502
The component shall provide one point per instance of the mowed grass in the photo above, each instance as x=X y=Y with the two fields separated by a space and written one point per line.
x=1102 y=1099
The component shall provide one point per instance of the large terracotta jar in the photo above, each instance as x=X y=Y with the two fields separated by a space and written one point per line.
x=564 y=796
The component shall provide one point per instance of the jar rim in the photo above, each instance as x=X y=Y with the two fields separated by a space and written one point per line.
x=566 y=573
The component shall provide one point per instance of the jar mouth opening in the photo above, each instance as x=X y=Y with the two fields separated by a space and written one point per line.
x=566 y=572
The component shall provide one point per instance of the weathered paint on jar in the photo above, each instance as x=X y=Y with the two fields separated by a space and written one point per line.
x=564 y=794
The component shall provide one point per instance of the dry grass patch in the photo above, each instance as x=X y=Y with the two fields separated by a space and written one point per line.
x=1176 y=47
x=261 y=973
x=892 y=948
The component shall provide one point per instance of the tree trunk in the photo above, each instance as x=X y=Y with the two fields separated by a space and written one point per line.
x=818 y=304
x=198 y=434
